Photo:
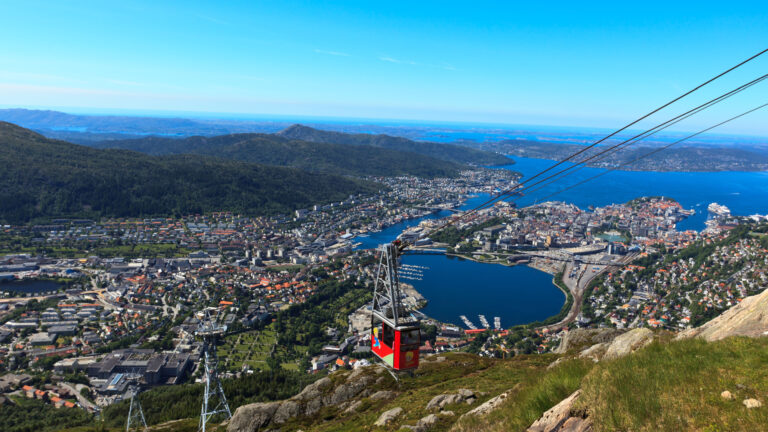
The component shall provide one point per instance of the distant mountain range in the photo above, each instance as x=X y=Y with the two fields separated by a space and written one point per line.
x=88 y=128
x=677 y=158
x=704 y=153
x=43 y=178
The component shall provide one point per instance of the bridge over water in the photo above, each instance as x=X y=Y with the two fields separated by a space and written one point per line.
x=440 y=208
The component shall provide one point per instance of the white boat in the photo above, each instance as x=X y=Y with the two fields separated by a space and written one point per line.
x=719 y=210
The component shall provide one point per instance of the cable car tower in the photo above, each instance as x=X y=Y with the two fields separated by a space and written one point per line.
x=395 y=331
x=135 y=419
x=214 y=401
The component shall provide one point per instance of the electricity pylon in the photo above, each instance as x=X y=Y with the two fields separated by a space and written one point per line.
x=136 y=419
x=214 y=401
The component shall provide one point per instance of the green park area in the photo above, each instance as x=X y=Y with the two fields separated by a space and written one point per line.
x=251 y=348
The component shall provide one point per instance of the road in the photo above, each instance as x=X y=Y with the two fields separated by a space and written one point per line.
x=25 y=299
x=90 y=406
x=166 y=307
x=579 y=283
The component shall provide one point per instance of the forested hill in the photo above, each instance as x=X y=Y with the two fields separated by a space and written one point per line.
x=42 y=178
x=449 y=152
x=317 y=157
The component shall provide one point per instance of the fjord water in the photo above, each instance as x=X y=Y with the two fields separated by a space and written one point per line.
x=390 y=233
x=745 y=193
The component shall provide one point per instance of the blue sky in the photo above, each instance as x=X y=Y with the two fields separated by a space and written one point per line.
x=554 y=63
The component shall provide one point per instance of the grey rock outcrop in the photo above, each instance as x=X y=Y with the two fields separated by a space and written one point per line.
x=580 y=338
x=595 y=352
x=313 y=398
x=466 y=393
x=314 y=390
x=286 y=411
x=389 y=416
x=424 y=424
x=441 y=401
x=382 y=394
x=748 y=318
x=428 y=421
x=353 y=406
x=489 y=405
x=252 y=417
x=576 y=424
x=628 y=342
x=558 y=417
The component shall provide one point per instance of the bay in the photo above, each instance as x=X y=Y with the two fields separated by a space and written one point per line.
x=455 y=286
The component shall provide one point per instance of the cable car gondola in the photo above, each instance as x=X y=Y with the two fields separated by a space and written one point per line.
x=395 y=331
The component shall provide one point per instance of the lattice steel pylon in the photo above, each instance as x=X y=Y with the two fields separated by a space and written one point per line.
x=387 y=304
x=135 y=419
x=214 y=401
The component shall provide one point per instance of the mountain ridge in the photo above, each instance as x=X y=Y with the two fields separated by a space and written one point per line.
x=449 y=152
x=44 y=178
x=276 y=150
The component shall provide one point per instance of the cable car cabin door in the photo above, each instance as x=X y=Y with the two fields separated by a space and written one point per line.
x=398 y=348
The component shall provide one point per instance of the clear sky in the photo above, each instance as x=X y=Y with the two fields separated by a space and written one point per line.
x=511 y=62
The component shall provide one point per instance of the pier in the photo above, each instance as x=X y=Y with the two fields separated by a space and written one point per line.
x=483 y=321
x=467 y=322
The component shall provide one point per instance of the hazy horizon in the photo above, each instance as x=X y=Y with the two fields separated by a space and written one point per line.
x=580 y=65
x=360 y=121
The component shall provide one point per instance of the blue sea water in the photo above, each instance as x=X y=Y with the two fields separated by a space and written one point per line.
x=745 y=193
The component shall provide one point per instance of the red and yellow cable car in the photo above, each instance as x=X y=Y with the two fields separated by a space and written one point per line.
x=398 y=347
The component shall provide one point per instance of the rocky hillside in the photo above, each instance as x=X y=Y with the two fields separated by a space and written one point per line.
x=708 y=379
x=748 y=318
x=600 y=380
x=458 y=392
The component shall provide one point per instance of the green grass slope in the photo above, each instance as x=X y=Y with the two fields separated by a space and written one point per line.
x=42 y=178
x=677 y=386
x=667 y=386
